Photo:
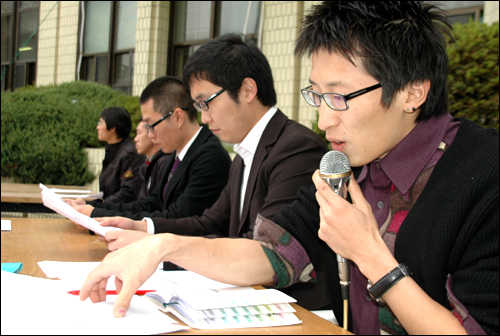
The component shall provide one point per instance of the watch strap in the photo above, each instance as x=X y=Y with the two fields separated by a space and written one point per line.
x=390 y=279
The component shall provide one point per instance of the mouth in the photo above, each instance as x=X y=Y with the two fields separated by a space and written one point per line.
x=337 y=145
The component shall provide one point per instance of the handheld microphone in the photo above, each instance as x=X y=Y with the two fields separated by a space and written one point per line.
x=335 y=170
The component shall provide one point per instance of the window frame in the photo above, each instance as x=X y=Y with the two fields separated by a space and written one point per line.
x=30 y=66
x=111 y=54
x=215 y=13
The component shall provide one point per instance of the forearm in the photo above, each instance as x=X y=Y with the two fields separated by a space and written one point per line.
x=417 y=312
x=239 y=261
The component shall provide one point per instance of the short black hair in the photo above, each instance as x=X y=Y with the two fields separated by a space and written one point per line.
x=398 y=43
x=169 y=93
x=226 y=61
x=119 y=119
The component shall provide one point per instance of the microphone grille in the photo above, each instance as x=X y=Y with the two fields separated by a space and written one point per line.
x=334 y=162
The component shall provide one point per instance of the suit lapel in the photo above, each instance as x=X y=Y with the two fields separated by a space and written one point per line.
x=268 y=139
x=179 y=172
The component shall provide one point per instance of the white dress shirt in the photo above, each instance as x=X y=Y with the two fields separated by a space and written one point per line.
x=247 y=148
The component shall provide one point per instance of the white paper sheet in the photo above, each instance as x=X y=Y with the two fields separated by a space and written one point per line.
x=41 y=306
x=6 y=225
x=70 y=191
x=56 y=203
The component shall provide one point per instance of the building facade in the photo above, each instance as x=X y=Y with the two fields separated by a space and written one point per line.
x=127 y=44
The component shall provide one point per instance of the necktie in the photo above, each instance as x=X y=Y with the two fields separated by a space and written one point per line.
x=174 y=167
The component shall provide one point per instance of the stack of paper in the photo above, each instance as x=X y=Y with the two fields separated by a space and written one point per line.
x=56 y=203
x=210 y=309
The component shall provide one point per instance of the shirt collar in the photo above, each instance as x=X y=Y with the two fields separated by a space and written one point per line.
x=183 y=152
x=248 y=146
x=404 y=163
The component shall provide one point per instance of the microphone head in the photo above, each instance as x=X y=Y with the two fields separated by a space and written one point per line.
x=334 y=164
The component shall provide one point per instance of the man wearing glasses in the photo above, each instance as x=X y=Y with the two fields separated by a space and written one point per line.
x=232 y=86
x=198 y=168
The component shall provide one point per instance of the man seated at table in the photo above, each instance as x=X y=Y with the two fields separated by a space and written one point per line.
x=152 y=170
x=119 y=180
x=198 y=168
x=427 y=196
x=232 y=84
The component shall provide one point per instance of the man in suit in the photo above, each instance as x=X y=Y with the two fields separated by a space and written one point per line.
x=198 y=168
x=232 y=84
x=152 y=170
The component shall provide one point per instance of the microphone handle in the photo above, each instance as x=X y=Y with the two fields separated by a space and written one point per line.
x=339 y=186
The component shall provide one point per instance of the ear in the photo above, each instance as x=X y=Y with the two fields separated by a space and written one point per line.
x=179 y=116
x=416 y=95
x=248 y=89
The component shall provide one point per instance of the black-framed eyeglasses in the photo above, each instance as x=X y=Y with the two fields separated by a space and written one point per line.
x=203 y=105
x=151 y=128
x=335 y=101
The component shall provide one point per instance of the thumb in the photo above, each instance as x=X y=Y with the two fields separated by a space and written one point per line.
x=105 y=221
x=123 y=300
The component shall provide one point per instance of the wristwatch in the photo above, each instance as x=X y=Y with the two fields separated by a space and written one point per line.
x=375 y=291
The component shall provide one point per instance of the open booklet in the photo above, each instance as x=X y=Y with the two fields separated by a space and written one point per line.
x=212 y=309
x=53 y=201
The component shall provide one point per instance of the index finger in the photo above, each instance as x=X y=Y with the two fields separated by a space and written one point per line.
x=93 y=282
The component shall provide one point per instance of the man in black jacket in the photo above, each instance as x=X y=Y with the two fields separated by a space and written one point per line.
x=198 y=168
x=152 y=170
x=120 y=180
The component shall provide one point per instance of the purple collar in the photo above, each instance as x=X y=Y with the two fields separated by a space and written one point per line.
x=406 y=161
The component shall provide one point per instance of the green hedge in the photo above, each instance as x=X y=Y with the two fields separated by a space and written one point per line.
x=473 y=79
x=44 y=130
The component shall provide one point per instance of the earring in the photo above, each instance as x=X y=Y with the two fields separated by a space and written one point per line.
x=407 y=109
x=413 y=109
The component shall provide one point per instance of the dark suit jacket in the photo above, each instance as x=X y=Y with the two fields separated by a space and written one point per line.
x=286 y=157
x=195 y=185
x=152 y=173
x=120 y=180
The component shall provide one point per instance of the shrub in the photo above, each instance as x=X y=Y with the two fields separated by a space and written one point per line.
x=44 y=130
x=473 y=78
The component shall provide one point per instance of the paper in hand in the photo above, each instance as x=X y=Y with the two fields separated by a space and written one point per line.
x=56 y=203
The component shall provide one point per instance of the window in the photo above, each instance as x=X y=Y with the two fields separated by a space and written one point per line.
x=196 y=22
x=463 y=11
x=19 y=44
x=109 y=30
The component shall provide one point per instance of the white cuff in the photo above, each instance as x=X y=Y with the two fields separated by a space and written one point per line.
x=151 y=225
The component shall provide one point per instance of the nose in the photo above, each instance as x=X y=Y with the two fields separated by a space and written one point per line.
x=205 y=117
x=327 y=117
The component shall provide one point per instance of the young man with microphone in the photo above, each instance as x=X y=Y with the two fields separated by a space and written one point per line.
x=422 y=231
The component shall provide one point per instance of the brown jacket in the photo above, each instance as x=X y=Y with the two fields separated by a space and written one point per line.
x=286 y=157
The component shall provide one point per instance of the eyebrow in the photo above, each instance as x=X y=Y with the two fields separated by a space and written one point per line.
x=199 y=96
x=333 y=84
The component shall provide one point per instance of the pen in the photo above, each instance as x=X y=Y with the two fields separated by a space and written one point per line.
x=113 y=292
